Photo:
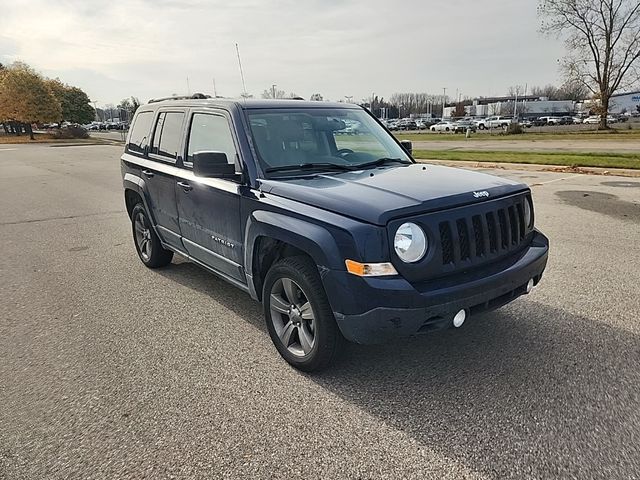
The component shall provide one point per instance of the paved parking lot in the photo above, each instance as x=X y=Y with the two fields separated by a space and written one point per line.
x=109 y=370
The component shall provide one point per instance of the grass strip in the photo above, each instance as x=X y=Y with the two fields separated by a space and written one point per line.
x=569 y=159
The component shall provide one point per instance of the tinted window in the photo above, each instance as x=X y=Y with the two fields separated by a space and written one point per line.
x=166 y=139
x=210 y=133
x=139 y=136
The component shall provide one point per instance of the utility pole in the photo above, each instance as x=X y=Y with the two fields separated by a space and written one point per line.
x=215 y=94
x=188 y=87
x=273 y=91
x=444 y=99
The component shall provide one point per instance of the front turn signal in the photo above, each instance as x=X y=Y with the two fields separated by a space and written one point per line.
x=370 y=269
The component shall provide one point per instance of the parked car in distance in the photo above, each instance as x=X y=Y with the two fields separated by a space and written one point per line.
x=393 y=125
x=524 y=123
x=481 y=123
x=407 y=124
x=444 y=126
x=592 y=120
x=461 y=126
x=495 y=121
x=337 y=238
x=549 y=120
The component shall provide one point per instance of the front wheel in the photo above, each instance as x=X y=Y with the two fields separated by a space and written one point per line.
x=298 y=315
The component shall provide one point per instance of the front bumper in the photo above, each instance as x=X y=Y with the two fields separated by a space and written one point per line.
x=374 y=310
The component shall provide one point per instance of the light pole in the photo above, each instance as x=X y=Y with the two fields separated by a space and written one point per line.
x=273 y=91
x=400 y=111
x=444 y=99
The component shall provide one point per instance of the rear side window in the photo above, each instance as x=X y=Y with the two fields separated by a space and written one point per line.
x=168 y=131
x=139 y=136
x=210 y=133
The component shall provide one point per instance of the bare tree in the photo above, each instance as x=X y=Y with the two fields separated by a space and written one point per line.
x=273 y=93
x=603 y=39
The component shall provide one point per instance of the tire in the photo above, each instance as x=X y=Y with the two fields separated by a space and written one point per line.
x=146 y=241
x=303 y=328
x=481 y=126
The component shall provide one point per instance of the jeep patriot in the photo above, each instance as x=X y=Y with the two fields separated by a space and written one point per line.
x=317 y=211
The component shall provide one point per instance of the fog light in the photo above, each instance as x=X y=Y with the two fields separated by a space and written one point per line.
x=530 y=286
x=459 y=319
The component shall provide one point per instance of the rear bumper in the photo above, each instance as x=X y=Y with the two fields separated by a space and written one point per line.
x=374 y=310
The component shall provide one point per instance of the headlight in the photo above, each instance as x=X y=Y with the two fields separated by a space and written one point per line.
x=410 y=243
x=528 y=213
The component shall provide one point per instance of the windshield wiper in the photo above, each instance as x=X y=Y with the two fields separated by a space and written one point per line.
x=382 y=161
x=310 y=166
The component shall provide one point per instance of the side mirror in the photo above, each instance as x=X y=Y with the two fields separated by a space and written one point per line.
x=407 y=145
x=212 y=164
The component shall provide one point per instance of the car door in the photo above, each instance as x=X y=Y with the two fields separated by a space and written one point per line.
x=158 y=174
x=209 y=208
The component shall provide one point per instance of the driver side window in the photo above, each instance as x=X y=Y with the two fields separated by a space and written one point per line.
x=210 y=132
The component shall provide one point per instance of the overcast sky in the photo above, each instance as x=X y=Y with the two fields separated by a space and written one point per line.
x=113 y=49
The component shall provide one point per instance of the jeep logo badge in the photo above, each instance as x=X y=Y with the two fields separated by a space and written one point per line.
x=481 y=194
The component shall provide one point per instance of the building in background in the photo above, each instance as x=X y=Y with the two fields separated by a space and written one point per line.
x=527 y=106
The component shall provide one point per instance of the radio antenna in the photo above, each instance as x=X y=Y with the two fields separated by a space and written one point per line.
x=244 y=87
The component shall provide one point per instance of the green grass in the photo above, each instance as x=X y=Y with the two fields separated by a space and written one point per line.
x=614 y=134
x=569 y=159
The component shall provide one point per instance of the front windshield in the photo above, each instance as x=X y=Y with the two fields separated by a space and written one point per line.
x=320 y=138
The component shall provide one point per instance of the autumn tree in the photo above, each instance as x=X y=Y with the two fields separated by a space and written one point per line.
x=26 y=98
x=74 y=102
x=459 y=110
x=603 y=43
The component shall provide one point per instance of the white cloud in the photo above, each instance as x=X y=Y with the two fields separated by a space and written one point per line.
x=347 y=47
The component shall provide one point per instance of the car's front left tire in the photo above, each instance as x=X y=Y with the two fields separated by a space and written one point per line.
x=147 y=243
x=298 y=315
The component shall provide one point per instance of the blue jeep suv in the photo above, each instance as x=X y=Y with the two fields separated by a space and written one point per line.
x=340 y=235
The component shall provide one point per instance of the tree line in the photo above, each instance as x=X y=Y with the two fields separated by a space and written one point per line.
x=27 y=97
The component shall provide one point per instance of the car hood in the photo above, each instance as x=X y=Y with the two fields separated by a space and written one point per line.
x=379 y=195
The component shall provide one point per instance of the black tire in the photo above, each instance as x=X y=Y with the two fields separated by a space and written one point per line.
x=153 y=256
x=327 y=337
x=481 y=126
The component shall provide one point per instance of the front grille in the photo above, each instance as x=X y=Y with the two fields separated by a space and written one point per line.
x=495 y=232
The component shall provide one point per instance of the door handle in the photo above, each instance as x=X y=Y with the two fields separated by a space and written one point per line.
x=185 y=186
x=148 y=173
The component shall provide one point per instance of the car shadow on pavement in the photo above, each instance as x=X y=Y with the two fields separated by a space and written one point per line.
x=528 y=391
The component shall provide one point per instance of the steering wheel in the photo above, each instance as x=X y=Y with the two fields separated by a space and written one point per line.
x=344 y=151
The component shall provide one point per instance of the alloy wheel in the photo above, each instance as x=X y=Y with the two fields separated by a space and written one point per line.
x=143 y=236
x=292 y=317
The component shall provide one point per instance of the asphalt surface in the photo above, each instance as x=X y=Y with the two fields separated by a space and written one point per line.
x=110 y=370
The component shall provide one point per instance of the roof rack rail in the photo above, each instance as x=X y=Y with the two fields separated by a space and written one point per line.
x=195 y=96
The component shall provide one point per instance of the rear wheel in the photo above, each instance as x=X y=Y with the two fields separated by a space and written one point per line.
x=298 y=315
x=146 y=241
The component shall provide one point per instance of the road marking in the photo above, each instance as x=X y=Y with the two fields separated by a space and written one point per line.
x=554 y=180
x=7 y=149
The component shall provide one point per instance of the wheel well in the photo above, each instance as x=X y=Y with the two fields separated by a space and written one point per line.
x=266 y=252
x=131 y=198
